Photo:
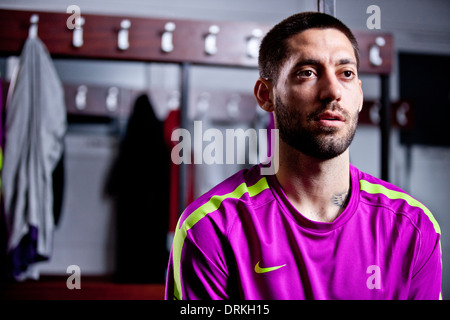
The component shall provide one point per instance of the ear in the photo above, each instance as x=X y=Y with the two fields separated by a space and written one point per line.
x=263 y=94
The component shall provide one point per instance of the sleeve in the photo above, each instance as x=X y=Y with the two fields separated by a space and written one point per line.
x=197 y=269
x=426 y=280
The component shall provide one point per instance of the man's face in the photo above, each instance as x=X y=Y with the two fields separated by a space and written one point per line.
x=318 y=95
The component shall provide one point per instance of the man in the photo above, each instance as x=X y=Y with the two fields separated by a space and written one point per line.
x=319 y=228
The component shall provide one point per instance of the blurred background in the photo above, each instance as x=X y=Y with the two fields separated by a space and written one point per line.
x=87 y=232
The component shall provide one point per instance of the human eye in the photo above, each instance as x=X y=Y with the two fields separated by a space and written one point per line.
x=348 y=74
x=305 y=74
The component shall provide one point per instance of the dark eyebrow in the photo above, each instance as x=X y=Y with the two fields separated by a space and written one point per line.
x=315 y=62
x=346 y=61
x=307 y=62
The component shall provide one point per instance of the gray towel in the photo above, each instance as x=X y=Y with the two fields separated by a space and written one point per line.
x=35 y=128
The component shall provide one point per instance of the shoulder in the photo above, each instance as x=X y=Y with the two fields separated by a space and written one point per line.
x=220 y=204
x=379 y=193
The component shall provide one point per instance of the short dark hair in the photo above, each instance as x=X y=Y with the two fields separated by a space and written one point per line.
x=273 y=50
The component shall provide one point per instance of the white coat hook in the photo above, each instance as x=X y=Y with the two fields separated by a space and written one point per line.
x=210 y=40
x=112 y=99
x=122 y=40
x=374 y=113
x=401 y=114
x=173 y=102
x=233 y=106
x=253 y=43
x=374 y=52
x=77 y=38
x=32 y=32
x=167 y=37
x=203 y=103
x=80 y=98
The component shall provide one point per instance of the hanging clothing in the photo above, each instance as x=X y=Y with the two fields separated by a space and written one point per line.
x=3 y=229
x=35 y=128
x=139 y=183
x=172 y=123
x=2 y=133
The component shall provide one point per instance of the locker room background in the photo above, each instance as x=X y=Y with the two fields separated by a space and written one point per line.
x=85 y=235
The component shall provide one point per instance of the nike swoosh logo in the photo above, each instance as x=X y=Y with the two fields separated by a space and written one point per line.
x=258 y=269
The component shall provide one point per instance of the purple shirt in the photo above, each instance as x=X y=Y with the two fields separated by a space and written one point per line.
x=244 y=240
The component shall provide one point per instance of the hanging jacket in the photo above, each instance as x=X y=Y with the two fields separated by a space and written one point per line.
x=139 y=182
x=35 y=129
x=3 y=230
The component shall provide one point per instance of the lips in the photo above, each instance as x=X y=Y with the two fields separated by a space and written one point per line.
x=330 y=119
x=330 y=116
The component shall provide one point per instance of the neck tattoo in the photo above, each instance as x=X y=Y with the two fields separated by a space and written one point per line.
x=340 y=199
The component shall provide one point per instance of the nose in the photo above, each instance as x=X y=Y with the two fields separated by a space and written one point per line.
x=330 y=88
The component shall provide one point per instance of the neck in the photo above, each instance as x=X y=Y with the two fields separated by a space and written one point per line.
x=318 y=189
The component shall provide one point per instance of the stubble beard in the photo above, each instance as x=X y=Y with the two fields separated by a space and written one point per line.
x=323 y=143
